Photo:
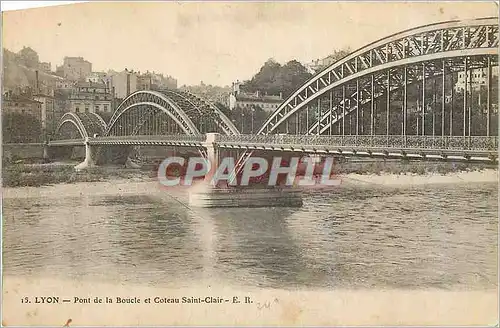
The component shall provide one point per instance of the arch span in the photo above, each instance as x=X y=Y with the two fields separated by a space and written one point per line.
x=428 y=43
x=193 y=115
x=467 y=41
x=86 y=125
x=139 y=105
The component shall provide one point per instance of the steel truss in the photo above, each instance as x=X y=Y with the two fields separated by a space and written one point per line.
x=382 y=68
x=362 y=95
x=157 y=113
x=86 y=124
x=424 y=44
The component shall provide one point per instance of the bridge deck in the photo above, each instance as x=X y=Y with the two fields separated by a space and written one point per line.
x=385 y=146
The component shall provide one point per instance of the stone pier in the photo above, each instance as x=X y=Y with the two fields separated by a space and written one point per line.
x=212 y=155
x=89 y=157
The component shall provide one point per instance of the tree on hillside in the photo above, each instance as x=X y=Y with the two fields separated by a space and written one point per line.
x=20 y=128
x=293 y=74
x=274 y=78
x=29 y=57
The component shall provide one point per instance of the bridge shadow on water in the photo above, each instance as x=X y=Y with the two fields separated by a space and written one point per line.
x=168 y=242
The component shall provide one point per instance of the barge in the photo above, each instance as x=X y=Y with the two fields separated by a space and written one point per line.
x=206 y=196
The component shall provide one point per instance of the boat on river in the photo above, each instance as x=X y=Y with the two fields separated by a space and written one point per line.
x=213 y=197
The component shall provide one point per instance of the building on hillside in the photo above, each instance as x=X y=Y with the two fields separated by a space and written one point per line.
x=21 y=129
x=65 y=84
x=124 y=83
x=144 y=82
x=267 y=103
x=99 y=77
x=318 y=64
x=155 y=81
x=88 y=97
x=240 y=99
x=74 y=68
x=213 y=94
x=478 y=77
x=48 y=114
x=45 y=67
x=14 y=103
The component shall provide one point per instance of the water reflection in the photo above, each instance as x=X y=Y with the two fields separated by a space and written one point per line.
x=352 y=237
x=257 y=243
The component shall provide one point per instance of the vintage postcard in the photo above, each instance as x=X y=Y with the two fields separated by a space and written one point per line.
x=250 y=164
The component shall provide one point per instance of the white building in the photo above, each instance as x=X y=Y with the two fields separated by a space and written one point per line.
x=88 y=97
x=241 y=99
x=124 y=82
x=479 y=78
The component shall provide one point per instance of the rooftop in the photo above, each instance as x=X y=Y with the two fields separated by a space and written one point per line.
x=246 y=97
x=91 y=85
x=19 y=98
x=42 y=95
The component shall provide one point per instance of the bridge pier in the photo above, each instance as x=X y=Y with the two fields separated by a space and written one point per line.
x=46 y=153
x=89 y=158
x=212 y=154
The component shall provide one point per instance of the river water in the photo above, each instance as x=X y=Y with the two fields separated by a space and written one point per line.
x=356 y=236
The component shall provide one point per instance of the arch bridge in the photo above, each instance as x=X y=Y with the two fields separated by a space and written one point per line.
x=166 y=117
x=412 y=94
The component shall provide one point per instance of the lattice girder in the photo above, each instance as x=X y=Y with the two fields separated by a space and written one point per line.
x=154 y=99
x=87 y=125
x=423 y=44
x=186 y=110
x=432 y=70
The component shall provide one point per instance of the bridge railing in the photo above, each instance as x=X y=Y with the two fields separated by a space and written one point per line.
x=67 y=142
x=167 y=137
x=371 y=141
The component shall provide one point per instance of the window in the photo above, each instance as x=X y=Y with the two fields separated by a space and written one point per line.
x=16 y=104
x=86 y=109
x=105 y=108
x=96 y=108
x=23 y=111
x=77 y=110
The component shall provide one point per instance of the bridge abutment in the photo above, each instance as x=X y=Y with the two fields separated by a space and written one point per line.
x=212 y=155
x=89 y=160
x=46 y=152
x=212 y=149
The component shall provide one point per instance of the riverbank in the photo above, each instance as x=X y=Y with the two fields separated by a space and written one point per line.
x=135 y=183
x=379 y=172
x=269 y=307
x=412 y=179
x=35 y=175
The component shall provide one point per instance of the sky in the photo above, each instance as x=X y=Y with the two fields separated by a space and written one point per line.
x=216 y=42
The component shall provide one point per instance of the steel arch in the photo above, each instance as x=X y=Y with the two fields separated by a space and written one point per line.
x=87 y=124
x=394 y=87
x=158 y=100
x=187 y=126
x=421 y=44
x=101 y=120
x=207 y=107
x=184 y=108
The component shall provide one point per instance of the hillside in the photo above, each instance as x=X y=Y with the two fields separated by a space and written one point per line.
x=17 y=74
